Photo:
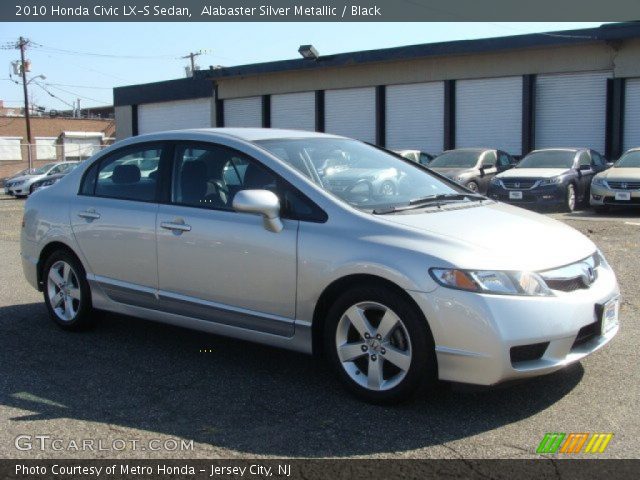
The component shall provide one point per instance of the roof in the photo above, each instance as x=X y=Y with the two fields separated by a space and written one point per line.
x=247 y=134
x=607 y=33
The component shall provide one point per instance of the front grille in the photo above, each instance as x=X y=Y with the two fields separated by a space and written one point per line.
x=518 y=184
x=566 y=285
x=586 y=333
x=624 y=185
x=576 y=276
x=528 y=353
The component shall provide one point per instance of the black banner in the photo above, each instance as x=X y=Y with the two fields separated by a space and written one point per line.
x=315 y=11
x=316 y=469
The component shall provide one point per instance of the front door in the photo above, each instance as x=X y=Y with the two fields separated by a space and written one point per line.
x=216 y=264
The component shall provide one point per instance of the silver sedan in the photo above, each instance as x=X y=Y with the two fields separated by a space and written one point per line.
x=236 y=232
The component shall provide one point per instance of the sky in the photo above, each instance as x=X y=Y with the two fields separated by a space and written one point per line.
x=86 y=60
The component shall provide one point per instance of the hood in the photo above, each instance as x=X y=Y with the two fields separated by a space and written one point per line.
x=621 y=174
x=533 y=172
x=451 y=172
x=20 y=178
x=497 y=236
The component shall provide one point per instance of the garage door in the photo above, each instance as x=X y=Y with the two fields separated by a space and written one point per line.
x=415 y=117
x=571 y=110
x=155 y=117
x=10 y=148
x=632 y=113
x=294 y=110
x=351 y=112
x=243 y=112
x=489 y=113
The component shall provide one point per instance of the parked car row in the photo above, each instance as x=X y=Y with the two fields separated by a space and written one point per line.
x=555 y=177
x=28 y=181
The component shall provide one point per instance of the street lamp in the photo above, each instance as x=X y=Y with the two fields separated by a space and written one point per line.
x=36 y=77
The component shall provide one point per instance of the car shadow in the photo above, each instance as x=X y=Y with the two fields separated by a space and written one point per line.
x=232 y=394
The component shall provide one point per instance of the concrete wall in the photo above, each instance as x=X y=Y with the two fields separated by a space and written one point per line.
x=623 y=59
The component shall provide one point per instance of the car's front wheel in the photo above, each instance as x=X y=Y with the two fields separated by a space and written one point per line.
x=473 y=186
x=570 y=198
x=380 y=345
x=66 y=291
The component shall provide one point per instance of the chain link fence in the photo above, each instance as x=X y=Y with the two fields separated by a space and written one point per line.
x=17 y=157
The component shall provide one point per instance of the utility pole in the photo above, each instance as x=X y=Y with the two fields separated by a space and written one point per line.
x=22 y=44
x=192 y=57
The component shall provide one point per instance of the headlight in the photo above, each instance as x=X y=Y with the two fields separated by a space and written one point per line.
x=46 y=183
x=550 y=181
x=489 y=281
x=600 y=181
x=15 y=184
x=495 y=181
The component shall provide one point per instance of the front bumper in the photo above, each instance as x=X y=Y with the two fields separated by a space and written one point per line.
x=474 y=333
x=545 y=195
x=601 y=195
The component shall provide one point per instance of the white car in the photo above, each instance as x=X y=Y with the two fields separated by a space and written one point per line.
x=23 y=186
x=236 y=232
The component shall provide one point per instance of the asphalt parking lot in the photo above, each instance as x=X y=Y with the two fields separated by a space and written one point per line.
x=136 y=380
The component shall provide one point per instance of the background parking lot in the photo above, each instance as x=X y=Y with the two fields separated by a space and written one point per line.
x=131 y=379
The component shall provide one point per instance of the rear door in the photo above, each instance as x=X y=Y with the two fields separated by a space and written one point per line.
x=214 y=263
x=114 y=220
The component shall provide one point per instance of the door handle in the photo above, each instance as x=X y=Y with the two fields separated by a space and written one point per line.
x=89 y=215
x=176 y=227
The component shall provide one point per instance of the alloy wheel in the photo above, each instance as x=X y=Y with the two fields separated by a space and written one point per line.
x=373 y=346
x=63 y=291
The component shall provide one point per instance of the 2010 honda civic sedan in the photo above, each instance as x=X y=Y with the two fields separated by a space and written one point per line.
x=235 y=232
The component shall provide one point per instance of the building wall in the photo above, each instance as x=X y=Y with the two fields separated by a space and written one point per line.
x=124 y=121
x=577 y=58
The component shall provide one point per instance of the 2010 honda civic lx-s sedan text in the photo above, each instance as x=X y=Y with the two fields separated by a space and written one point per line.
x=235 y=232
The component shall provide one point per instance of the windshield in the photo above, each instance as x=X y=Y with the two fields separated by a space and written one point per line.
x=629 y=160
x=548 y=159
x=44 y=169
x=359 y=174
x=455 y=159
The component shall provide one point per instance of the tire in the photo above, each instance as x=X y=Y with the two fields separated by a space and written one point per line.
x=473 y=186
x=405 y=336
x=601 y=209
x=570 y=198
x=71 y=309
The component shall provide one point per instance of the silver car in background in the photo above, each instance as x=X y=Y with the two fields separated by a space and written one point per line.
x=234 y=232
x=24 y=185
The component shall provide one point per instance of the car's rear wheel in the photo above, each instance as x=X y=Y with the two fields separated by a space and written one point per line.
x=66 y=291
x=570 y=198
x=380 y=345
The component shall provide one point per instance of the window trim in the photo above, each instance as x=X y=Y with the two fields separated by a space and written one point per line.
x=161 y=145
x=318 y=215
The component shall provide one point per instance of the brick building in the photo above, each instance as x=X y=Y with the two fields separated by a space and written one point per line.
x=54 y=139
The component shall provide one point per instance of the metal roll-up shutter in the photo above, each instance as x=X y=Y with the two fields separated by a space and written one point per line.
x=415 y=117
x=243 y=112
x=174 y=115
x=294 y=110
x=489 y=113
x=351 y=112
x=632 y=113
x=571 y=110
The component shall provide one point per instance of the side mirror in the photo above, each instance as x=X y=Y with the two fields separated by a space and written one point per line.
x=263 y=202
x=608 y=165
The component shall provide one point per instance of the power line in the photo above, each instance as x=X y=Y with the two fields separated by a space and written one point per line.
x=75 y=94
x=105 y=55
x=79 y=86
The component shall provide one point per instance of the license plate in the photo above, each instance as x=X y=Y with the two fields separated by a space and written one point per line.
x=515 y=195
x=623 y=195
x=610 y=315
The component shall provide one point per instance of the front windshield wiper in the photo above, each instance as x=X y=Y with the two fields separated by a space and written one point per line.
x=439 y=199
